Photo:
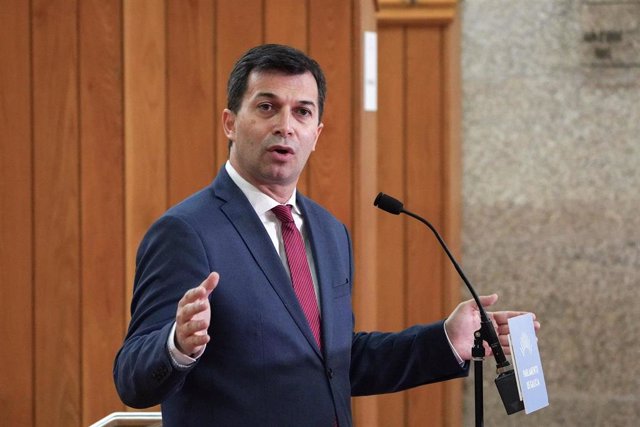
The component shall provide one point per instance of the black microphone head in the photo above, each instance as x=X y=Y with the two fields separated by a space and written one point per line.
x=388 y=203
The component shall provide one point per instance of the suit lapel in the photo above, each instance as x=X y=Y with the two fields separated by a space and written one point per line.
x=322 y=258
x=240 y=213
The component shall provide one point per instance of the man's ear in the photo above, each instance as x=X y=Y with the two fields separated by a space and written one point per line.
x=318 y=131
x=229 y=124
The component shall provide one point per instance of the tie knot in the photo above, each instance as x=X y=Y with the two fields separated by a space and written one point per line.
x=283 y=213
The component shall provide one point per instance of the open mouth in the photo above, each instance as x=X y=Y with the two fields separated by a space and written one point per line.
x=280 y=149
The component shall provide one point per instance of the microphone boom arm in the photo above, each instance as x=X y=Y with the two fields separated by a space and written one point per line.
x=505 y=381
x=486 y=325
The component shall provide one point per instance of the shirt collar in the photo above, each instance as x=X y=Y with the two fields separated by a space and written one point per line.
x=260 y=202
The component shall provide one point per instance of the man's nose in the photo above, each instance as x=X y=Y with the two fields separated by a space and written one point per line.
x=284 y=124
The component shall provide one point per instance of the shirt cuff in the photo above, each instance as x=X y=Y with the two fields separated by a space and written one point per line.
x=455 y=353
x=180 y=359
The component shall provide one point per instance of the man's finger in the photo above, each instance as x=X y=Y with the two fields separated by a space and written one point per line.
x=194 y=327
x=186 y=312
x=504 y=340
x=210 y=283
x=192 y=342
x=488 y=300
x=198 y=340
x=191 y=295
x=503 y=316
x=503 y=329
x=201 y=291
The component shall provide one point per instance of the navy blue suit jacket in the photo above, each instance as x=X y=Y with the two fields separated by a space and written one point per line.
x=262 y=366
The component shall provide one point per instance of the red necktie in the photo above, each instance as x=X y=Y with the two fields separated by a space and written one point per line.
x=299 y=269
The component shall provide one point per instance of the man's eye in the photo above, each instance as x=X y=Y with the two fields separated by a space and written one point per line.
x=265 y=107
x=304 y=112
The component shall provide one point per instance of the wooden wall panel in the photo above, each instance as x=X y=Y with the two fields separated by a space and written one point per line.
x=285 y=22
x=145 y=122
x=417 y=12
x=452 y=188
x=102 y=203
x=110 y=111
x=190 y=85
x=16 y=234
x=391 y=272
x=424 y=195
x=366 y=410
x=330 y=166
x=239 y=27
x=56 y=215
x=419 y=89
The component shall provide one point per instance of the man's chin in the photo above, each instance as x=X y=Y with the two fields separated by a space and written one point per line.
x=281 y=176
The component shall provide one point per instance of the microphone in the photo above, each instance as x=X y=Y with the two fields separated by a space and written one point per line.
x=506 y=380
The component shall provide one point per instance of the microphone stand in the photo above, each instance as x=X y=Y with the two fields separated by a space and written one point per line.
x=505 y=381
x=477 y=354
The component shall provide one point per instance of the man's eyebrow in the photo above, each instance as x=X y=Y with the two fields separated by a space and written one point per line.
x=265 y=95
x=272 y=95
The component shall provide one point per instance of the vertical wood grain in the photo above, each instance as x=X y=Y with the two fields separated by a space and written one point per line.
x=285 y=22
x=424 y=167
x=330 y=166
x=391 y=163
x=365 y=187
x=431 y=163
x=16 y=234
x=57 y=233
x=145 y=122
x=102 y=203
x=239 y=26
x=424 y=195
x=452 y=187
x=191 y=117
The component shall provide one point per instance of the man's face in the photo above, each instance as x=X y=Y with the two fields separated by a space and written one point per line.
x=275 y=130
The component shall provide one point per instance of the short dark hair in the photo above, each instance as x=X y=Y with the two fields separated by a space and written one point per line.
x=276 y=58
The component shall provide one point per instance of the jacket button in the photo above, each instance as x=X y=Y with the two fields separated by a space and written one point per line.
x=330 y=373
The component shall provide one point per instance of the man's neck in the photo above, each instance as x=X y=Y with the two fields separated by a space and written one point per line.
x=279 y=193
x=276 y=192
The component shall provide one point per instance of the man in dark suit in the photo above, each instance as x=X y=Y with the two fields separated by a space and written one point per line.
x=274 y=344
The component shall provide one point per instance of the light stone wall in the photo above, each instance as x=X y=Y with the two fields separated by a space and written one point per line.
x=551 y=205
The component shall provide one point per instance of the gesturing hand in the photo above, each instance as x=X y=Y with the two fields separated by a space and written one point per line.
x=193 y=317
